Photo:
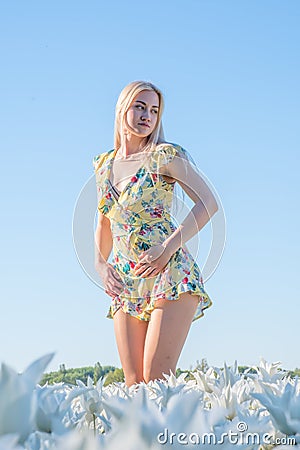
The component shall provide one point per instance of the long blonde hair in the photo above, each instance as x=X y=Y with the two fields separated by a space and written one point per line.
x=124 y=101
x=157 y=136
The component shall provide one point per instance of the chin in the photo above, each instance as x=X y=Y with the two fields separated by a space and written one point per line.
x=142 y=134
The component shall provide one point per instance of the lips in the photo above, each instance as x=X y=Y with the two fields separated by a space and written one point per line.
x=144 y=125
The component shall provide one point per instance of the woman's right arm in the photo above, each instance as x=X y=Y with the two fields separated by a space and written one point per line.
x=103 y=240
x=103 y=245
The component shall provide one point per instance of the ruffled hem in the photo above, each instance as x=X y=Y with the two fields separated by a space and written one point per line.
x=205 y=302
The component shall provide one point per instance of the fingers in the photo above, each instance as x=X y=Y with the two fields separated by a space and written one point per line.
x=110 y=293
x=114 y=285
x=151 y=271
x=112 y=282
x=144 y=271
x=118 y=280
x=145 y=258
x=139 y=268
x=112 y=290
x=142 y=264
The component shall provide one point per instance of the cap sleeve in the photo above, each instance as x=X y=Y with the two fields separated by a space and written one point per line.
x=98 y=160
x=162 y=155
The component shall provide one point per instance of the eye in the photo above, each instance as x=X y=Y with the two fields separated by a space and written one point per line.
x=139 y=106
x=155 y=111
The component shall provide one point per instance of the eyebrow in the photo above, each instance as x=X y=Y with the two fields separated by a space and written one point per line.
x=140 y=101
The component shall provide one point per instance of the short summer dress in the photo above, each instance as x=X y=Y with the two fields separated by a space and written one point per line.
x=140 y=217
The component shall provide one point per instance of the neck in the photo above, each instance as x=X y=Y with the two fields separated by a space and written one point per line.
x=132 y=144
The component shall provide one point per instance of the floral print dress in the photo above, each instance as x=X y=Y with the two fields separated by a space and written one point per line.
x=140 y=217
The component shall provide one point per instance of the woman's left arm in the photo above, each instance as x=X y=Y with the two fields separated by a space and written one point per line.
x=205 y=203
x=153 y=260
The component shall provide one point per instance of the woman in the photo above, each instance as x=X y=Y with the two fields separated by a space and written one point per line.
x=156 y=286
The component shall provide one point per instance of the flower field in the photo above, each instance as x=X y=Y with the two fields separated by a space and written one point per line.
x=257 y=409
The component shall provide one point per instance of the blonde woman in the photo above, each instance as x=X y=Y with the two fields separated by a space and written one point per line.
x=156 y=287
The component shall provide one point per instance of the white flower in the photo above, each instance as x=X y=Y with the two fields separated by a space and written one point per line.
x=88 y=401
x=163 y=391
x=204 y=381
x=40 y=441
x=10 y=442
x=284 y=407
x=267 y=372
x=16 y=392
x=52 y=414
x=140 y=417
x=137 y=422
x=76 y=440
x=227 y=399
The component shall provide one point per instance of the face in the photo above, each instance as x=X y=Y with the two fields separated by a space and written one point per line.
x=141 y=116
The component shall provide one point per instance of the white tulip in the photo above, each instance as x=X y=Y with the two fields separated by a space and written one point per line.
x=137 y=422
x=283 y=407
x=141 y=417
x=17 y=409
x=10 y=442
x=267 y=372
x=163 y=392
x=203 y=381
x=52 y=415
x=79 y=441
x=40 y=441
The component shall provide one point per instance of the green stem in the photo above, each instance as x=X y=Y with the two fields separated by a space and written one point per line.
x=94 y=420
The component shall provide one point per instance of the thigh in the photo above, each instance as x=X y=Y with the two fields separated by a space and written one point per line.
x=167 y=331
x=130 y=337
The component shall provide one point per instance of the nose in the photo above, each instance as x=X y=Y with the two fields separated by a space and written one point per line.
x=145 y=115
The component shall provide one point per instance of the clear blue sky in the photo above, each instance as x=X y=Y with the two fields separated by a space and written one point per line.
x=230 y=74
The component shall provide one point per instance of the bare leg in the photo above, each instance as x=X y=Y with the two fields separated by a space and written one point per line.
x=130 y=336
x=167 y=331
